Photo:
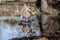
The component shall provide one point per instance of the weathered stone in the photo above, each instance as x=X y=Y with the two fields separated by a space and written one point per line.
x=45 y=21
x=47 y=8
x=43 y=38
x=24 y=25
x=52 y=25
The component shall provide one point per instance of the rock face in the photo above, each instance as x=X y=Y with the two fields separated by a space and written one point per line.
x=17 y=10
x=20 y=29
x=7 y=0
x=14 y=26
x=18 y=21
x=9 y=10
x=45 y=21
x=47 y=7
x=20 y=0
x=52 y=26
x=42 y=38
x=49 y=11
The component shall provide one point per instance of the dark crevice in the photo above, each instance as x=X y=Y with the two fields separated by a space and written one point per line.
x=56 y=5
x=38 y=3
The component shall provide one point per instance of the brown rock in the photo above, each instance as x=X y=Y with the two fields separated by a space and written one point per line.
x=44 y=38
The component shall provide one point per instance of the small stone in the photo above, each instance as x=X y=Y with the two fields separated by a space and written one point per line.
x=44 y=38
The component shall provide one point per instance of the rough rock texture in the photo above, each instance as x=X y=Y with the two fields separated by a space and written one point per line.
x=18 y=10
x=21 y=28
x=18 y=22
x=45 y=21
x=50 y=25
x=7 y=10
x=48 y=11
x=43 y=38
x=53 y=26
x=47 y=8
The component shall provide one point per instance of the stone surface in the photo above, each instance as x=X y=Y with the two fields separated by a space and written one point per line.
x=43 y=38
x=25 y=29
x=45 y=21
x=18 y=22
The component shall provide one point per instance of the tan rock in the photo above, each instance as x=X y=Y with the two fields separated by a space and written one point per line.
x=44 y=38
